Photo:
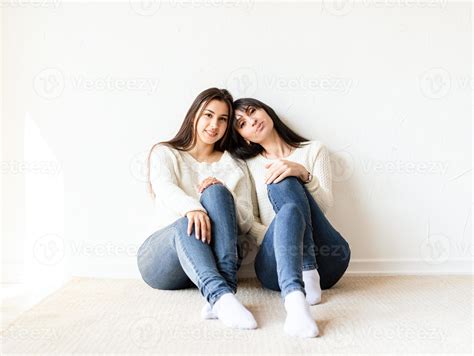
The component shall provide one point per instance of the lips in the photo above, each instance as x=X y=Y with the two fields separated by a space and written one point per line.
x=259 y=127
x=211 y=134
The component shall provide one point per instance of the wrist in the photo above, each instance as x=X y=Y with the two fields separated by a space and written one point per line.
x=307 y=177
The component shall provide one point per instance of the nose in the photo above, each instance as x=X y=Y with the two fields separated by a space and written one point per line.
x=213 y=123
x=254 y=121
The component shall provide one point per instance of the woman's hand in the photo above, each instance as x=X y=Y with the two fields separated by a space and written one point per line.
x=202 y=225
x=207 y=182
x=280 y=169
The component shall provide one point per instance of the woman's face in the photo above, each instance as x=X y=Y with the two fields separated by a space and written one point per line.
x=253 y=124
x=212 y=123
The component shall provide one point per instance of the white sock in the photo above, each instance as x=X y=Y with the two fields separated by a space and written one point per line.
x=312 y=286
x=232 y=313
x=299 y=321
x=207 y=312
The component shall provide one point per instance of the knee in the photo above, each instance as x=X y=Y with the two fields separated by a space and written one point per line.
x=216 y=191
x=162 y=280
x=285 y=184
x=150 y=278
x=293 y=212
x=158 y=284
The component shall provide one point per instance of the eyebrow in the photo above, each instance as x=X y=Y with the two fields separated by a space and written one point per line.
x=215 y=113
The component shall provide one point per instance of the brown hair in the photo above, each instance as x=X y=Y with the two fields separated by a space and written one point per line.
x=239 y=148
x=185 y=139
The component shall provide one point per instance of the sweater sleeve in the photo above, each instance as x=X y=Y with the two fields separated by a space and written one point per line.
x=165 y=183
x=243 y=202
x=320 y=186
x=258 y=230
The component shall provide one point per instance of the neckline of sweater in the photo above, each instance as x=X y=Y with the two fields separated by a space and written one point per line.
x=195 y=161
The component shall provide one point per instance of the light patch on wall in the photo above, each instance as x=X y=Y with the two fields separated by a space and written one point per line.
x=46 y=262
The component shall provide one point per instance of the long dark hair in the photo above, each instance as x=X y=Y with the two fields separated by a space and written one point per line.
x=239 y=148
x=185 y=139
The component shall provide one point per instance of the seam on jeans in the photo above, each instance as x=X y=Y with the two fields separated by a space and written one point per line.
x=309 y=267
x=193 y=267
x=235 y=231
x=231 y=207
x=272 y=201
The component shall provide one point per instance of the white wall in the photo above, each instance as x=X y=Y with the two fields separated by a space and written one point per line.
x=385 y=85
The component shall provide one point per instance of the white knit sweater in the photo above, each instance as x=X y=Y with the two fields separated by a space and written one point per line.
x=314 y=157
x=175 y=177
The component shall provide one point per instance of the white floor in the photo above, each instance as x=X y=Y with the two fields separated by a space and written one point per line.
x=377 y=314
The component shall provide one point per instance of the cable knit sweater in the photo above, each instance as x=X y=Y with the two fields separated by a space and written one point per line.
x=176 y=175
x=314 y=156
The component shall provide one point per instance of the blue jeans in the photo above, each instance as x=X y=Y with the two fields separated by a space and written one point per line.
x=170 y=259
x=299 y=238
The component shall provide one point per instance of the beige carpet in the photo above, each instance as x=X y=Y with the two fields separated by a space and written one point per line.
x=360 y=314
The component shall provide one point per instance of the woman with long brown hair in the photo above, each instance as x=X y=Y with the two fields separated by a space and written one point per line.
x=300 y=252
x=195 y=184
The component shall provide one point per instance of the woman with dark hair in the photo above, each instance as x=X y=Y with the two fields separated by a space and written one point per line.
x=194 y=182
x=300 y=252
